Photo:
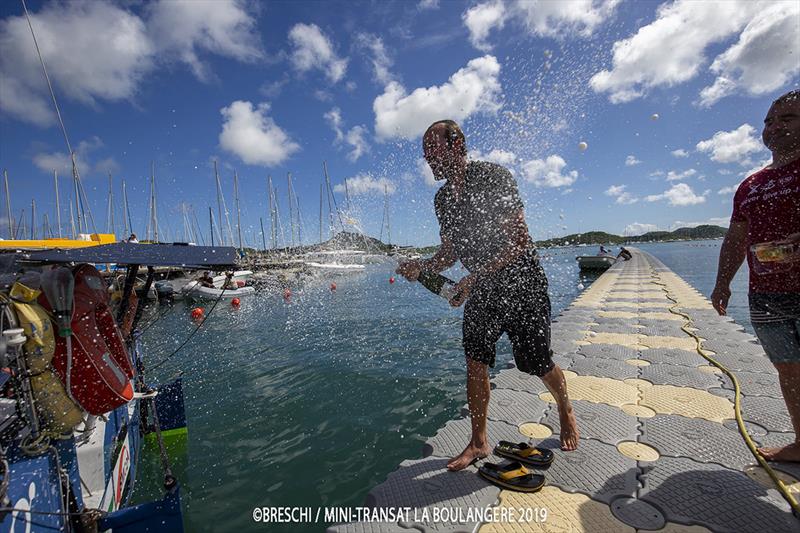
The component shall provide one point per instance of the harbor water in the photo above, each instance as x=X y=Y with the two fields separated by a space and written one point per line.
x=313 y=400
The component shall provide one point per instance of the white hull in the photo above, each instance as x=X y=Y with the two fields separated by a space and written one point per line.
x=196 y=291
x=335 y=266
x=595 y=262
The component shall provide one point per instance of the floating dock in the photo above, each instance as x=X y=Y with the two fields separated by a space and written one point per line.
x=659 y=450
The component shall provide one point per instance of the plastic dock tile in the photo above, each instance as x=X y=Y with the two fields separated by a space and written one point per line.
x=598 y=390
x=713 y=496
x=515 y=407
x=698 y=439
x=608 y=351
x=770 y=413
x=745 y=362
x=574 y=513
x=595 y=469
x=672 y=356
x=683 y=401
x=520 y=381
x=773 y=439
x=604 y=368
x=454 y=436
x=681 y=376
x=755 y=384
x=428 y=483
x=597 y=421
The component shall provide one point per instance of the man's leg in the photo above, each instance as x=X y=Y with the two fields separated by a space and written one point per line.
x=557 y=385
x=789 y=377
x=478 y=398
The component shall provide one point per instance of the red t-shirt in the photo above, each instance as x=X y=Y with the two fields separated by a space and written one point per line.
x=769 y=201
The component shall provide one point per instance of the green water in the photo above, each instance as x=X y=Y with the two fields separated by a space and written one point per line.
x=313 y=402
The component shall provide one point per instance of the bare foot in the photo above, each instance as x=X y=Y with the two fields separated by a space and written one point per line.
x=470 y=454
x=789 y=453
x=569 y=430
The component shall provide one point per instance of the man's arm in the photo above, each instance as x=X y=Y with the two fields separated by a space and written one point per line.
x=444 y=258
x=731 y=256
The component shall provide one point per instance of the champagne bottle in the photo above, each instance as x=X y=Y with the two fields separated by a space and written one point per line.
x=438 y=284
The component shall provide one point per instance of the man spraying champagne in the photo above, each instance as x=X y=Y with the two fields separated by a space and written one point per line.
x=482 y=224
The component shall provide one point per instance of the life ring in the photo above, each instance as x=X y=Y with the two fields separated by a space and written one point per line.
x=100 y=369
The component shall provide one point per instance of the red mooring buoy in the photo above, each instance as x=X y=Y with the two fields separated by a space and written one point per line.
x=197 y=313
x=235 y=302
x=333 y=287
x=391 y=279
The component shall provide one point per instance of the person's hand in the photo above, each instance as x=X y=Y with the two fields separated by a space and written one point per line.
x=410 y=269
x=462 y=290
x=794 y=239
x=719 y=299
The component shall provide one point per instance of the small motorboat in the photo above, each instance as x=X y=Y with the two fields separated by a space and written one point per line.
x=195 y=290
x=595 y=262
x=335 y=266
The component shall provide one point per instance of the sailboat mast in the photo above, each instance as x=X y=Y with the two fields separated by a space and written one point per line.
x=289 y=195
x=33 y=219
x=58 y=203
x=332 y=197
x=153 y=199
x=273 y=228
x=263 y=237
x=238 y=210
x=320 y=213
x=126 y=212
x=77 y=204
x=9 y=215
x=211 y=223
x=110 y=208
x=388 y=224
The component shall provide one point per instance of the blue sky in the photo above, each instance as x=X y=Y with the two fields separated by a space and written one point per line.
x=668 y=97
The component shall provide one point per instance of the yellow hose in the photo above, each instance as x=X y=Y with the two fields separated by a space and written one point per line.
x=736 y=401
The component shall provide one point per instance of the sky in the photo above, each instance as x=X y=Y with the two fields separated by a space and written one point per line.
x=615 y=115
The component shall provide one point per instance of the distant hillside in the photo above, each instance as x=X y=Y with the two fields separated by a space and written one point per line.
x=600 y=237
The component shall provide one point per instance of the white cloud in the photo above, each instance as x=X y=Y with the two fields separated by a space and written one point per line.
x=93 y=50
x=631 y=161
x=679 y=195
x=482 y=19
x=764 y=58
x=62 y=162
x=312 y=49
x=546 y=18
x=677 y=176
x=355 y=137
x=428 y=4
x=620 y=195
x=425 y=171
x=501 y=157
x=670 y=50
x=253 y=136
x=680 y=152
x=379 y=57
x=638 y=228
x=713 y=221
x=224 y=27
x=727 y=190
x=732 y=146
x=365 y=184
x=98 y=51
x=548 y=172
x=472 y=89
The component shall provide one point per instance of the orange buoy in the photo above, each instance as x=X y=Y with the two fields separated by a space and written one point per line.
x=333 y=286
x=235 y=302
x=197 y=313
x=287 y=293
x=391 y=279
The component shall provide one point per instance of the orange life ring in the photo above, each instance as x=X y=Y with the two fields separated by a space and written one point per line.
x=100 y=369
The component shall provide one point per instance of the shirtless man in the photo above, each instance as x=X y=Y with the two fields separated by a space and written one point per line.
x=482 y=224
x=766 y=208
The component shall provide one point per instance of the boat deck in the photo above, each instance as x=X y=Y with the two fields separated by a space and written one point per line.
x=659 y=447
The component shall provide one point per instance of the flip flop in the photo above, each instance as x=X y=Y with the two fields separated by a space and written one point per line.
x=525 y=454
x=512 y=476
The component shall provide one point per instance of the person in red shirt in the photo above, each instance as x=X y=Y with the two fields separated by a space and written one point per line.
x=765 y=227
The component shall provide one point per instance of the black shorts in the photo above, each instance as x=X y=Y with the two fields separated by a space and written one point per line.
x=513 y=301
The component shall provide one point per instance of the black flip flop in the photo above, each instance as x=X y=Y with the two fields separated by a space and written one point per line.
x=512 y=476
x=524 y=453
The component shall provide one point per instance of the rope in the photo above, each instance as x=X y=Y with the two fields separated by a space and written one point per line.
x=736 y=401
x=196 y=329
